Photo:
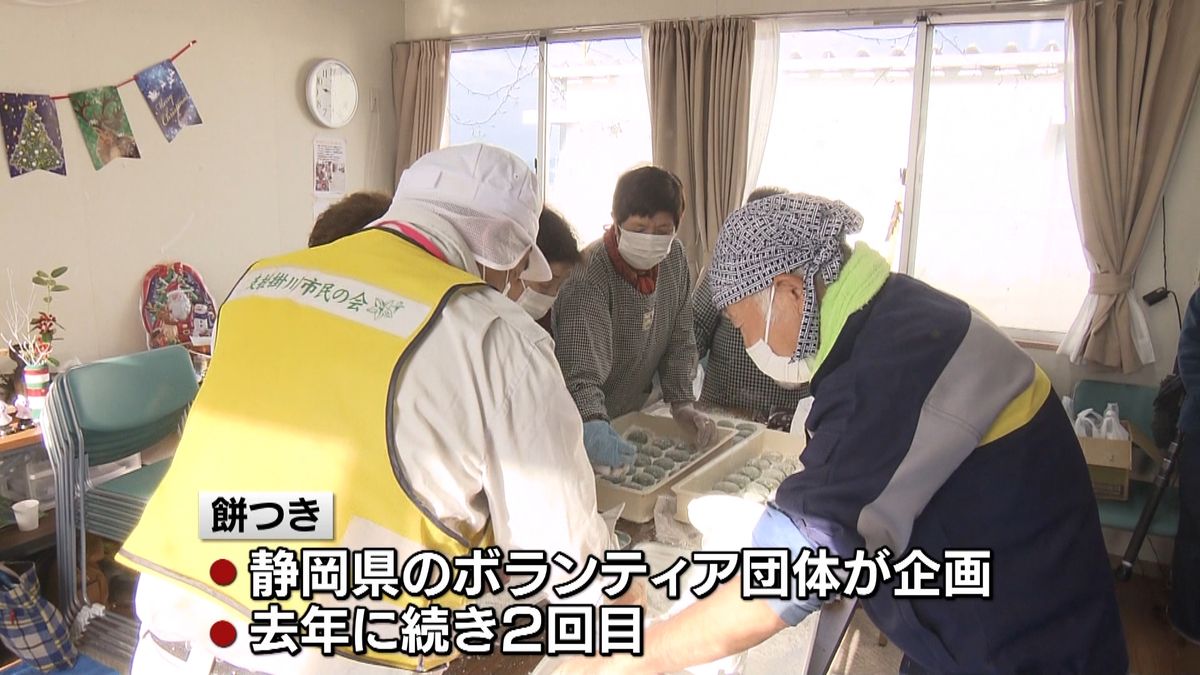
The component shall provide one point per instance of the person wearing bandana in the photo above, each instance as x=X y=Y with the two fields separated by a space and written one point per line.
x=930 y=432
x=732 y=381
x=626 y=316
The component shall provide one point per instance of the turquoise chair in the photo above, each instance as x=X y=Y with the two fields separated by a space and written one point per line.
x=1137 y=406
x=96 y=414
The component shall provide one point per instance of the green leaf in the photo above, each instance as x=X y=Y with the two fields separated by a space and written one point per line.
x=42 y=282
x=59 y=288
x=52 y=361
x=58 y=272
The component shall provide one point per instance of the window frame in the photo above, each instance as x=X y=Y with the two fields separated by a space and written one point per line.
x=1028 y=336
x=544 y=39
x=924 y=21
x=918 y=120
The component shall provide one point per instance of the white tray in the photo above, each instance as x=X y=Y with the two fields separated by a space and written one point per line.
x=701 y=481
x=639 y=503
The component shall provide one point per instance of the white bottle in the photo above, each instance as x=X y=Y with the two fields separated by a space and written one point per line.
x=1111 y=427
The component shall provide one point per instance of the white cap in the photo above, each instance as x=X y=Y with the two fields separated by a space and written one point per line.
x=491 y=198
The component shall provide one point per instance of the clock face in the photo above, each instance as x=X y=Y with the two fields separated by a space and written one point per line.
x=333 y=94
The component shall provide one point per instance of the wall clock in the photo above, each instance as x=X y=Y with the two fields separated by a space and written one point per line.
x=332 y=93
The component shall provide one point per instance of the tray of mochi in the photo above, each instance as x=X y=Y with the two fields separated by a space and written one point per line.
x=752 y=468
x=664 y=456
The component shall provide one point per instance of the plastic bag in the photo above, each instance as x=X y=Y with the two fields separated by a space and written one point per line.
x=669 y=531
x=32 y=628
x=1087 y=424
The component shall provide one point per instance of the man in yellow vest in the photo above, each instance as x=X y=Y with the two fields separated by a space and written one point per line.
x=383 y=368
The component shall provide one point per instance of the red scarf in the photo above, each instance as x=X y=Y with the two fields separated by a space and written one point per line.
x=644 y=282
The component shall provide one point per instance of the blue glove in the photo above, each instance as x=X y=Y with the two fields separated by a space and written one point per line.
x=605 y=446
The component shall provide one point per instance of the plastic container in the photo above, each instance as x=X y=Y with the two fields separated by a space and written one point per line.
x=27 y=515
x=703 y=481
x=13 y=484
x=639 y=501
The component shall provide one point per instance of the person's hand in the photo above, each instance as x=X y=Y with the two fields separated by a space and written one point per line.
x=695 y=423
x=605 y=447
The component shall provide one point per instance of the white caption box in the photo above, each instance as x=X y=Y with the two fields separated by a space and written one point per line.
x=270 y=516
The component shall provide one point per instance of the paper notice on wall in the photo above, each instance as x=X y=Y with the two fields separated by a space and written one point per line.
x=329 y=167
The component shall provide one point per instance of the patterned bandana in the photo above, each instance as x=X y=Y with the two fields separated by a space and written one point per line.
x=778 y=235
x=645 y=282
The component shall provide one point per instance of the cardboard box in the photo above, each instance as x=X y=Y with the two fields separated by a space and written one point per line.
x=1109 y=463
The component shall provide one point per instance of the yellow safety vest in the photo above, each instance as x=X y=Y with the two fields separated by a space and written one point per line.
x=298 y=399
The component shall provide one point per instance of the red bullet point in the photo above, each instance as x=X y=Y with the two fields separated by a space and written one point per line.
x=222 y=572
x=222 y=634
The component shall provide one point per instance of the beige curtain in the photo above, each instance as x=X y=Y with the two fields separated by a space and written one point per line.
x=1135 y=67
x=698 y=74
x=419 y=88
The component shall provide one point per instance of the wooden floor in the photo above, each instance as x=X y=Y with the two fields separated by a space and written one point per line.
x=1153 y=646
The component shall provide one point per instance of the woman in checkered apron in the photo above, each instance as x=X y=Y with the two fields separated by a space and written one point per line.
x=626 y=315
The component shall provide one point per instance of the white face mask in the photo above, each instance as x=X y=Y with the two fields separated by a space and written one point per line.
x=644 y=251
x=536 y=304
x=787 y=373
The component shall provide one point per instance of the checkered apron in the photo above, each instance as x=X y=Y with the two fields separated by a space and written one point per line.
x=32 y=628
x=611 y=340
x=731 y=380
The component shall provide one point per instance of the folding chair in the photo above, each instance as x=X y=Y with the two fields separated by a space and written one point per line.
x=96 y=414
x=1137 y=405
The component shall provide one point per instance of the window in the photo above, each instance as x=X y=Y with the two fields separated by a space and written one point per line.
x=993 y=221
x=597 y=122
x=996 y=223
x=841 y=121
x=494 y=99
x=599 y=127
x=983 y=169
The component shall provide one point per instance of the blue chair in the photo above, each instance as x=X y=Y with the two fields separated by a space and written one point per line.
x=1137 y=406
x=96 y=414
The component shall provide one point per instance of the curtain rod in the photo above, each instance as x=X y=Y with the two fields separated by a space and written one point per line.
x=880 y=13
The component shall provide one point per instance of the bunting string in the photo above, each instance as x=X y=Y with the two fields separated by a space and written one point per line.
x=33 y=138
x=131 y=78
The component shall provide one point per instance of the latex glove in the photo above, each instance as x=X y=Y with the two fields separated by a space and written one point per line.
x=694 y=422
x=605 y=447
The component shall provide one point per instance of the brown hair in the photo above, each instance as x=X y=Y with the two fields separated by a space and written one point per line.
x=351 y=214
x=555 y=239
x=646 y=191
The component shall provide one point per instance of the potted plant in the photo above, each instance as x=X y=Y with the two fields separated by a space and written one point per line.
x=30 y=332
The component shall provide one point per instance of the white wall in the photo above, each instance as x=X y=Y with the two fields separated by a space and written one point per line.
x=221 y=195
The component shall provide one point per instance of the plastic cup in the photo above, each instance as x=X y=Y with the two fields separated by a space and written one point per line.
x=27 y=514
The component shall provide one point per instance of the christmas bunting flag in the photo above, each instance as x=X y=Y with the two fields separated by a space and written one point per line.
x=105 y=128
x=168 y=98
x=32 y=137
